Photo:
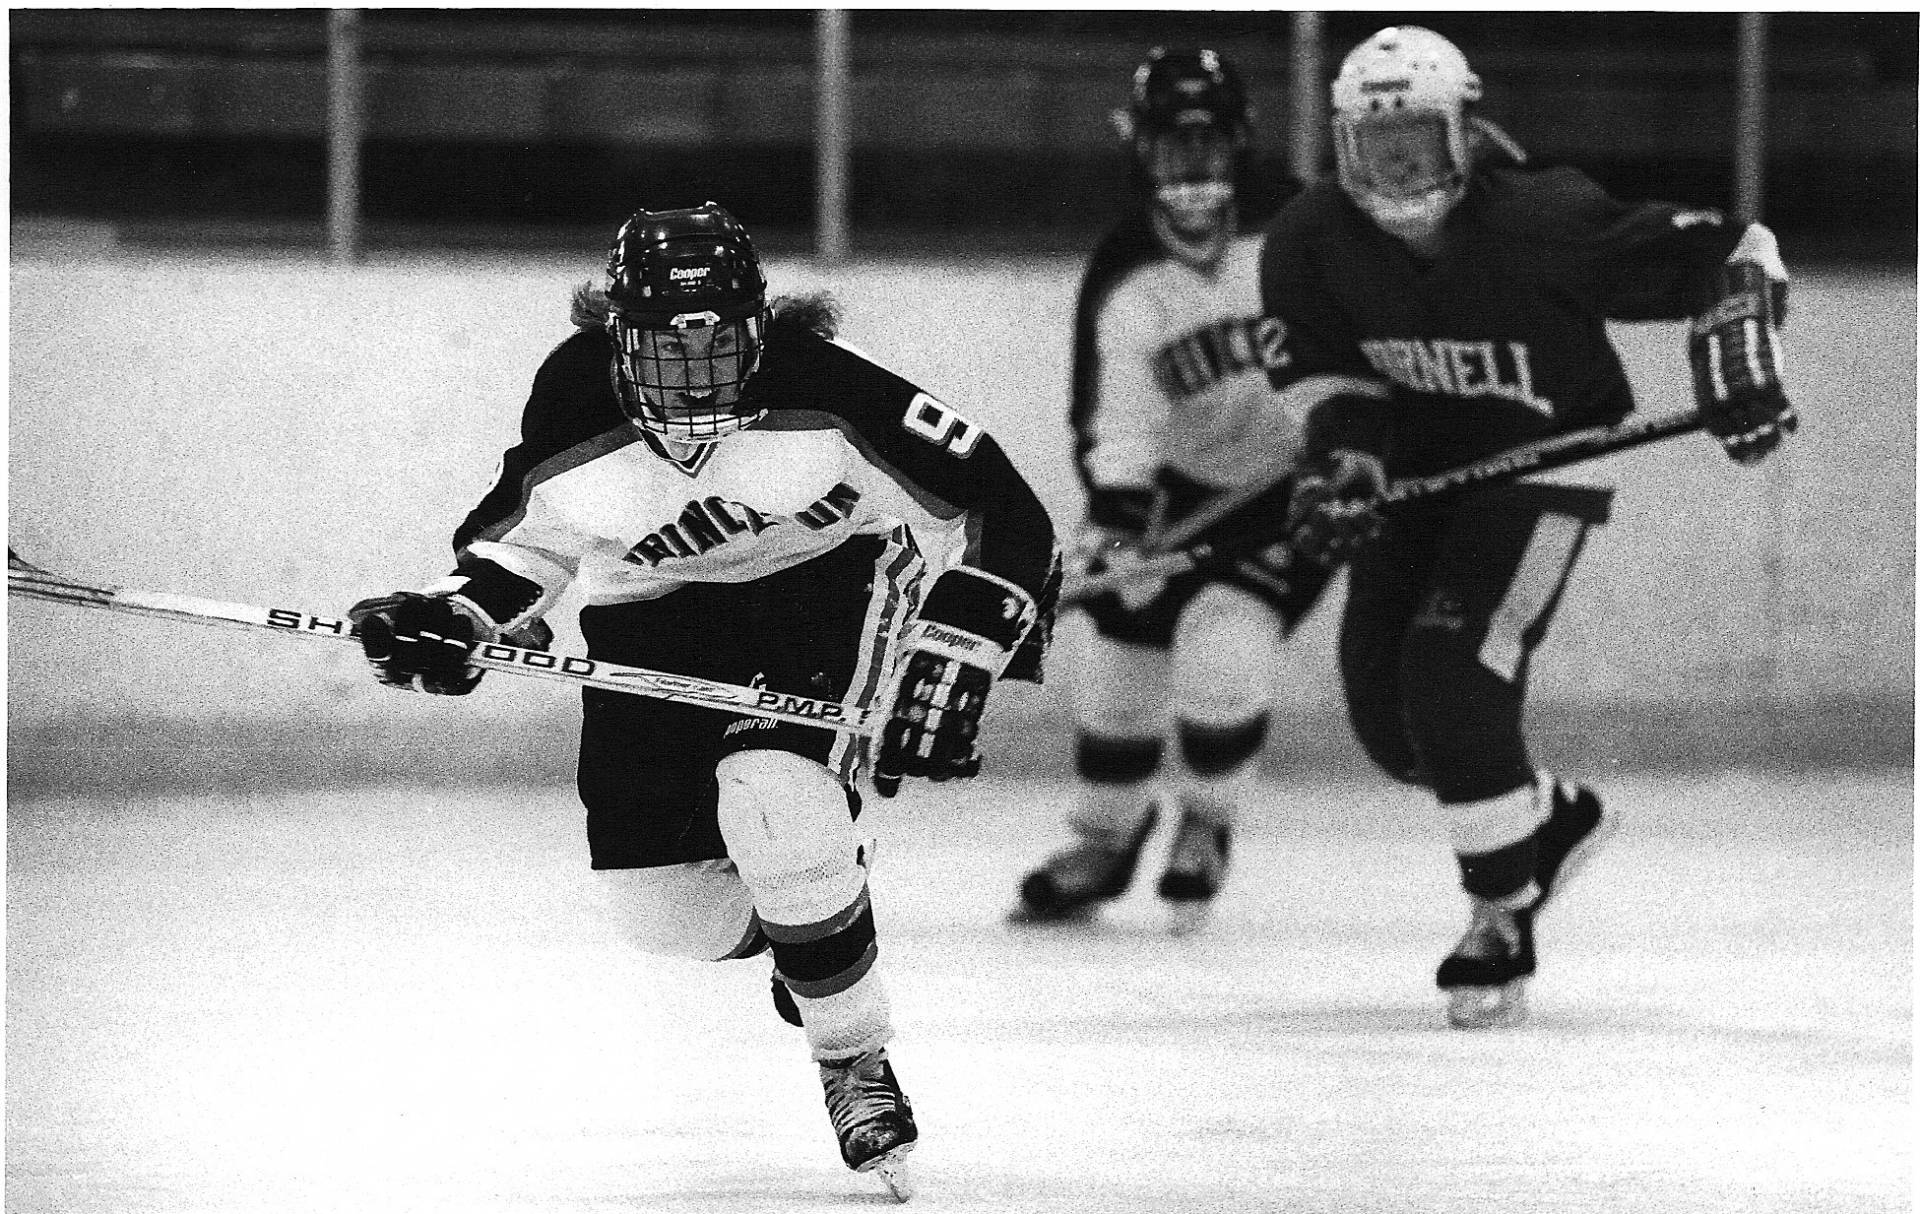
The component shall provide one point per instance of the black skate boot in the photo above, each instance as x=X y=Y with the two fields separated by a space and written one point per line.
x=1485 y=975
x=1574 y=829
x=1073 y=883
x=872 y=1117
x=1196 y=868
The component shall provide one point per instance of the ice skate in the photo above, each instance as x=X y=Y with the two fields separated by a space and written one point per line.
x=1575 y=829
x=872 y=1117
x=1486 y=973
x=1073 y=883
x=1196 y=869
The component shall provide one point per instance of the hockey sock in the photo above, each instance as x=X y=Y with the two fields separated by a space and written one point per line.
x=1494 y=845
x=1114 y=775
x=828 y=967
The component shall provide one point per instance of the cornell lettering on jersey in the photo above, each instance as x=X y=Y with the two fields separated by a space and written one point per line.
x=1195 y=361
x=1450 y=367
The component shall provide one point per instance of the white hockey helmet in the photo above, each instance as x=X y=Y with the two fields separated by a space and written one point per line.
x=1400 y=128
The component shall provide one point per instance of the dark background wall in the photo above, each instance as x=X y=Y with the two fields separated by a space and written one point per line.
x=982 y=126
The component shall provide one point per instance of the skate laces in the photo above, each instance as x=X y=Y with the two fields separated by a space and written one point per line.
x=1491 y=932
x=859 y=1090
x=1087 y=865
x=1196 y=848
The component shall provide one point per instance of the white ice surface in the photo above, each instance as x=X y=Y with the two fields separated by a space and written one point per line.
x=404 y=1000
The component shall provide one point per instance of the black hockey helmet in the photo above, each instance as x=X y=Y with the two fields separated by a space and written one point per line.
x=687 y=307
x=1177 y=88
x=1188 y=124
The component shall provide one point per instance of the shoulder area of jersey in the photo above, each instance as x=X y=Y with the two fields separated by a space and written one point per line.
x=1316 y=205
x=808 y=365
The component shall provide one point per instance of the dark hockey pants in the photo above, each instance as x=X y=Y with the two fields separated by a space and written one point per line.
x=1443 y=615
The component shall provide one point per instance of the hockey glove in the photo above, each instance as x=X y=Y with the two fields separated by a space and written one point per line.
x=421 y=642
x=1734 y=347
x=1029 y=661
x=1334 y=508
x=966 y=633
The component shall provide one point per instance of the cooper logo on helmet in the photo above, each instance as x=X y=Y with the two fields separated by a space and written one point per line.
x=683 y=273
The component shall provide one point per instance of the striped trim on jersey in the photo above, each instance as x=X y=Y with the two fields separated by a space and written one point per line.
x=899 y=571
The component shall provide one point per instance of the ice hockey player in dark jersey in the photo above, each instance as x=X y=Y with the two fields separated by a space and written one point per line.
x=1170 y=408
x=1451 y=302
x=743 y=498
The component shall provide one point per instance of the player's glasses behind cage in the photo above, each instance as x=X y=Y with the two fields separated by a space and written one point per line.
x=1402 y=156
x=1191 y=169
x=689 y=379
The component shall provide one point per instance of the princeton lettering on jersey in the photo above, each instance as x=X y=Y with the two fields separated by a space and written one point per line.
x=1195 y=361
x=1446 y=367
x=707 y=523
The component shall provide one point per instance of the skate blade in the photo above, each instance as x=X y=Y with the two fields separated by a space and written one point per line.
x=1487 y=1007
x=891 y=1168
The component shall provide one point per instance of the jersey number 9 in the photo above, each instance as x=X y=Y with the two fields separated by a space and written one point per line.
x=941 y=426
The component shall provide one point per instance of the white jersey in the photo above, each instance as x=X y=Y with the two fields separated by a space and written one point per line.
x=846 y=448
x=1178 y=376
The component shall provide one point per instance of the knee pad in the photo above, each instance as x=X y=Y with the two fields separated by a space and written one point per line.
x=1224 y=654
x=787 y=826
x=1120 y=691
x=1465 y=721
x=701 y=911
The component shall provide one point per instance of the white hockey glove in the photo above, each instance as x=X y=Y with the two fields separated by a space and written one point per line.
x=1734 y=348
x=421 y=642
x=966 y=633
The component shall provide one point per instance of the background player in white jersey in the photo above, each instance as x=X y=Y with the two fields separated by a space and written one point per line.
x=1453 y=302
x=744 y=499
x=1171 y=406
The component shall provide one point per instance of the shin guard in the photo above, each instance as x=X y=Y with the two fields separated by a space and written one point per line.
x=787 y=826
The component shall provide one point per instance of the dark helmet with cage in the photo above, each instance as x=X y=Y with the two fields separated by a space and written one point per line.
x=1188 y=123
x=687 y=311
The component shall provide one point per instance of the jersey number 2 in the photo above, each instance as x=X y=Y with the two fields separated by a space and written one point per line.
x=941 y=426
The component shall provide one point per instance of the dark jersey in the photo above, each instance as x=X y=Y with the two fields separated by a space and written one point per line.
x=1501 y=340
x=846 y=448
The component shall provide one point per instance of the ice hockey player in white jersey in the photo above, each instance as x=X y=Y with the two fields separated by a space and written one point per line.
x=1172 y=406
x=745 y=499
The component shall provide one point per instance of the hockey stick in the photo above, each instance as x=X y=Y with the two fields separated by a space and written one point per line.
x=1174 y=552
x=30 y=582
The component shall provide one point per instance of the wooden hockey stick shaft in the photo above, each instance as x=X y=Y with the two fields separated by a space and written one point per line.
x=27 y=581
x=1174 y=551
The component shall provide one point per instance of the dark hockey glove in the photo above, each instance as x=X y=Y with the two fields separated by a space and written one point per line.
x=1734 y=347
x=964 y=638
x=421 y=642
x=1334 y=508
x=1029 y=661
